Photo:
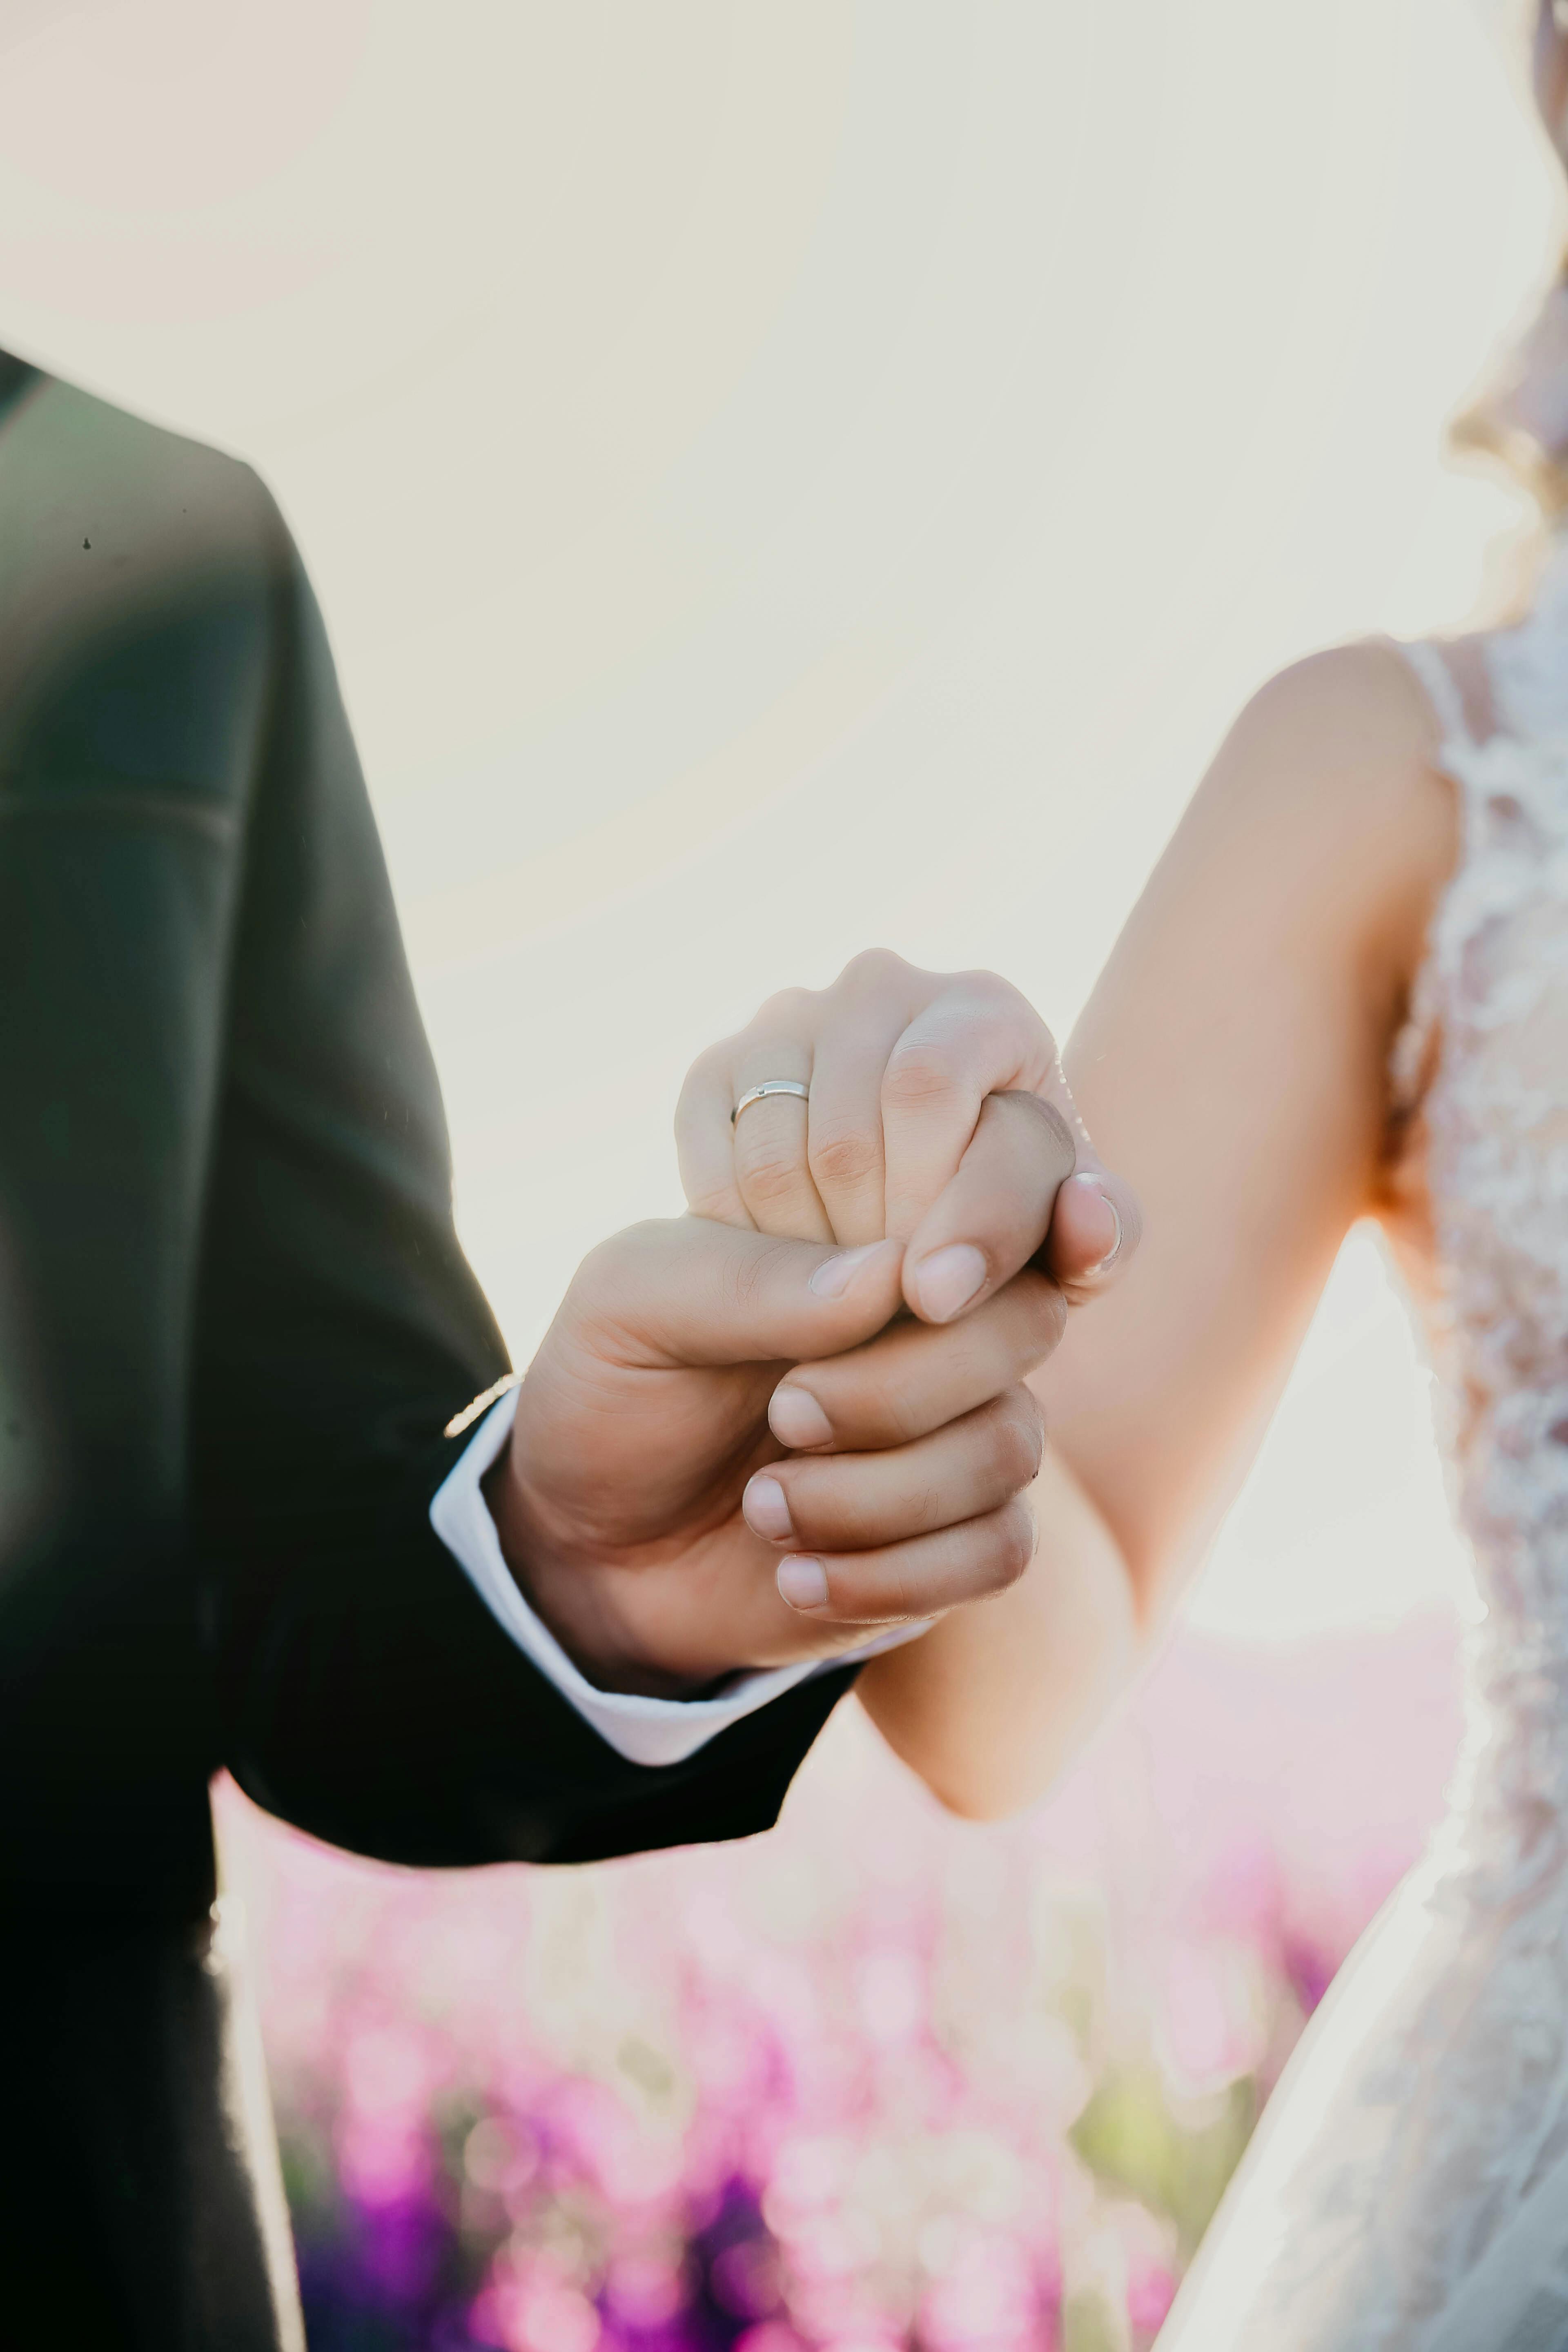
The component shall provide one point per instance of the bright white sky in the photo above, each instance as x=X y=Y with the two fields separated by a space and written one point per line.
x=782 y=478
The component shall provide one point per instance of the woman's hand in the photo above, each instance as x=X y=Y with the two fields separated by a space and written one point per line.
x=936 y=1116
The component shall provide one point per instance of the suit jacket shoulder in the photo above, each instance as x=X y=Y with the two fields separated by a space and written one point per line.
x=119 y=540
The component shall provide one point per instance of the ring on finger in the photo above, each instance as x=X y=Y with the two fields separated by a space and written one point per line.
x=770 y=1087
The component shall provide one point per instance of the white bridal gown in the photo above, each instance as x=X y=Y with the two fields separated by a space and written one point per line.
x=1408 y=2186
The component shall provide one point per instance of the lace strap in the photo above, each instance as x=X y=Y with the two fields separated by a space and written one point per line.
x=1414 y=1052
x=1511 y=797
x=1441 y=688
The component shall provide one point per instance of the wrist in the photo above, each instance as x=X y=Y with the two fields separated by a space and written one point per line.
x=576 y=1596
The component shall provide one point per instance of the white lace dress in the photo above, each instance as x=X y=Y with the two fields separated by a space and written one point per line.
x=1409 y=2185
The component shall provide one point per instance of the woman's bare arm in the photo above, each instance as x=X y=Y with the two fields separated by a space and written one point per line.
x=1232 y=1065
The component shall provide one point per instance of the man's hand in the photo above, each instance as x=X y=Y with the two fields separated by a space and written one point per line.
x=646 y=1413
x=737 y=1449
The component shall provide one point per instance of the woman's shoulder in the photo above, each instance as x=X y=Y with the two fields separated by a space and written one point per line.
x=1364 y=707
x=1327 y=830
x=1333 y=766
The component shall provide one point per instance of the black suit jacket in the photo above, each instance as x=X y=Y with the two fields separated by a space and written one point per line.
x=234 y=1315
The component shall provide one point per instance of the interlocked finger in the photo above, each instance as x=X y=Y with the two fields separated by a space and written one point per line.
x=977 y=1038
x=860 y=1020
x=908 y=1582
x=769 y=1136
x=855 y=1502
x=912 y=1379
x=704 y=1138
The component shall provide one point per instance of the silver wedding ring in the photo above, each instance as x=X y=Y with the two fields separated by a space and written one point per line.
x=770 y=1087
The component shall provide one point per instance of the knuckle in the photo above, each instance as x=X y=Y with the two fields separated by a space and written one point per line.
x=619 y=1275
x=1019 y=1439
x=789 y=1009
x=1031 y=1426
x=999 y=995
x=594 y=1282
x=873 y=967
x=714 y=1203
x=992 y=989
x=919 y=1077
x=772 y=1172
x=610 y=1261
x=1014 y=1543
x=711 y=1065
x=705 y=1087
x=897 y=1600
x=845 y=1157
x=1043 y=1317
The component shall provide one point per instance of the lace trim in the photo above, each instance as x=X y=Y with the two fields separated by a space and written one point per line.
x=1525 y=664
x=1513 y=825
x=1413 y=1055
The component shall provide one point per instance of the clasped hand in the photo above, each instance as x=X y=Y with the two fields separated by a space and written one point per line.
x=798 y=1416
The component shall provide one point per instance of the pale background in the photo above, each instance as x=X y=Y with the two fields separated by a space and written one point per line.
x=786 y=477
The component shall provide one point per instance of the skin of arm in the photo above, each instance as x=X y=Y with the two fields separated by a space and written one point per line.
x=1233 y=1065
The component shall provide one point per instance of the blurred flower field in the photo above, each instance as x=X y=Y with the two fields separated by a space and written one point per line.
x=878 y=2083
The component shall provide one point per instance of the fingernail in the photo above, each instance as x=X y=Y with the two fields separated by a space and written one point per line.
x=834 y=1274
x=798 y=1420
x=766 y=1506
x=802 y=1582
x=947 y=1280
x=1104 y=1265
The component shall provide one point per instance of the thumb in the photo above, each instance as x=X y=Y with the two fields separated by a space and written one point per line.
x=687 y=1292
x=1097 y=1220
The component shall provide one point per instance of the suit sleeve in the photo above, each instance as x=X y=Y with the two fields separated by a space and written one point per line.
x=365 y=1691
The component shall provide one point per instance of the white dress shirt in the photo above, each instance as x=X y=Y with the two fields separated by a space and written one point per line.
x=644 y=1730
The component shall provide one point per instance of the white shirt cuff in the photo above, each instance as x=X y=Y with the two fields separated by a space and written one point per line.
x=643 y=1730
